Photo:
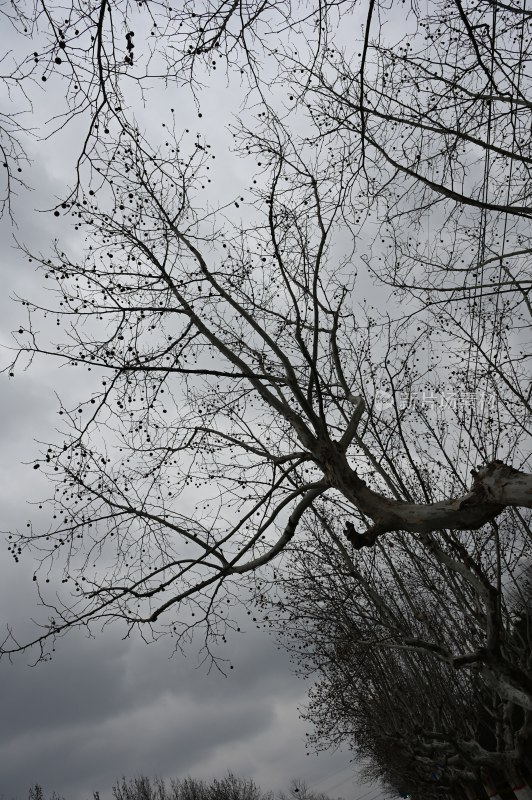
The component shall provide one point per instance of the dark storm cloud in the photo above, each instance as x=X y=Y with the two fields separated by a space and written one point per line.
x=84 y=719
x=106 y=707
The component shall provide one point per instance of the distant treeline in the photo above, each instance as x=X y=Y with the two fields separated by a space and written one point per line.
x=230 y=787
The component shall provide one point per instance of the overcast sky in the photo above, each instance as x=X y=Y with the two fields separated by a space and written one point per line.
x=106 y=707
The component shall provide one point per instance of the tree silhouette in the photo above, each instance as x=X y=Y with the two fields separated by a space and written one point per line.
x=241 y=379
x=229 y=361
x=386 y=641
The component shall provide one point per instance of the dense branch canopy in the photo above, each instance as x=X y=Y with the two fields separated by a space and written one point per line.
x=310 y=342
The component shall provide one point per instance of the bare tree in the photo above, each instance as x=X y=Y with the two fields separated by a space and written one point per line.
x=442 y=102
x=230 y=787
x=376 y=633
x=107 y=55
x=238 y=382
x=230 y=359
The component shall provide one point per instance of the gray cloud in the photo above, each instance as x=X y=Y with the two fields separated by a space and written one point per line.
x=104 y=707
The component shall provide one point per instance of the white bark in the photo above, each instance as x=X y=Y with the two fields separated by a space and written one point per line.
x=505 y=485
x=511 y=691
x=522 y=792
x=495 y=487
x=490 y=789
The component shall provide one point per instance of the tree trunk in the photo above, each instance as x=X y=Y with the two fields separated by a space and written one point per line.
x=490 y=788
x=520 y=786
x=522 y=791
x=495 y=487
